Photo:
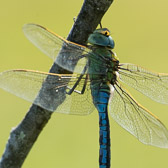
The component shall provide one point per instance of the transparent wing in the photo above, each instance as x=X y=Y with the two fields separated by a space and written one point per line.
x=63 y=52
x=54 y=45
x=53 y=87
x=154 y=85
x=137 y=120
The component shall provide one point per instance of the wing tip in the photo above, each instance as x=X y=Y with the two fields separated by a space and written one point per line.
x=29 y=26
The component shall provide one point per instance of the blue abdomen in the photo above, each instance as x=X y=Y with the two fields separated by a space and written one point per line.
x=101 y=95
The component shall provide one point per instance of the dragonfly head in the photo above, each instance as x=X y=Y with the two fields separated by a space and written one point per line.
x=101 y=37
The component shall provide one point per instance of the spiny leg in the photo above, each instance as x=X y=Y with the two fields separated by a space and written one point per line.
x=77 y=82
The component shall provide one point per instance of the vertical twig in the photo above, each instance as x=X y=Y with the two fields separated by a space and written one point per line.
x=23 y=137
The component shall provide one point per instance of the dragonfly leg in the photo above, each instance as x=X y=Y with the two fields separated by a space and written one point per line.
x=77 y=82
x=84 y=86
x=83 y=89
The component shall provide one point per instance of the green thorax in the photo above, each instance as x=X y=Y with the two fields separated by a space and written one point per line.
x=103 y=63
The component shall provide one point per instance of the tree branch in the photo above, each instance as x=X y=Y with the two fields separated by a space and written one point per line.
x=26 y=133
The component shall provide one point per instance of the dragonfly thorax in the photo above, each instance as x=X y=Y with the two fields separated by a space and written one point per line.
x=103 y=65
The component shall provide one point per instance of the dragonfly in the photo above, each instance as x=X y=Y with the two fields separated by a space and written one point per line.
x=95 y=81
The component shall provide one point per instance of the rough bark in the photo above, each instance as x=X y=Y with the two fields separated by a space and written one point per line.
x=26 y=133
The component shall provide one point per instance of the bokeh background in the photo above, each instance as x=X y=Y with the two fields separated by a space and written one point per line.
x=140 y=31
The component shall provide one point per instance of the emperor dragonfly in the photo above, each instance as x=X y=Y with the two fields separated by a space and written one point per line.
x=95 y=83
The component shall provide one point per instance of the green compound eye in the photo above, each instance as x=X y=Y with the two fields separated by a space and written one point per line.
x=101 y=37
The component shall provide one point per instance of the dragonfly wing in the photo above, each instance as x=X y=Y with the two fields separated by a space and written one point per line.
x=48 y=90
x=63 y=52
x=154 y=85
x=77 y=103
x=137 y=120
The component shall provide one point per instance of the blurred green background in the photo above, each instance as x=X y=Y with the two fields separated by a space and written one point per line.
x=140 y=31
